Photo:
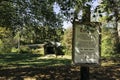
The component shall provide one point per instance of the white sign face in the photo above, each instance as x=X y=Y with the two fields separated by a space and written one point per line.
x=86 y=44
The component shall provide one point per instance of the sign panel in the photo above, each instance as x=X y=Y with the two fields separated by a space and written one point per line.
x=86 y=43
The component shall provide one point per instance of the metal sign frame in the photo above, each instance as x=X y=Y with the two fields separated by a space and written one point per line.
x=86 y=60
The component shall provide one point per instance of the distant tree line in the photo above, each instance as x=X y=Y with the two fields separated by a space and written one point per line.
x=35 y=21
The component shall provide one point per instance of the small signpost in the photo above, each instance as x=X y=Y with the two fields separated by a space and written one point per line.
x=86 y=46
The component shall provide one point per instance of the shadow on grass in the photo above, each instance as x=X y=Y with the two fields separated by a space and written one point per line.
x=42 y=73
x=59 y=73
x=46 y=69
x=30 y=60
x=16 y=57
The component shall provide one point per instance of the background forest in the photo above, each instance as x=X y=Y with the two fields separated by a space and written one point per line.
x=30 y=29
x=27 y=22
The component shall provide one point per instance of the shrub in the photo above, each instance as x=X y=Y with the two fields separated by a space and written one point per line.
x=5 y=47
x=6 y=40
x=107 y=43
x=67 y=41
x=15 y=50
x=25 y=49
x=1 y=46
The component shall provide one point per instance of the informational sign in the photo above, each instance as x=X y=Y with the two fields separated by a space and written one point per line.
x=86 y=43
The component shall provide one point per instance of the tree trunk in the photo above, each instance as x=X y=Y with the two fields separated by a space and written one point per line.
x=115 y=35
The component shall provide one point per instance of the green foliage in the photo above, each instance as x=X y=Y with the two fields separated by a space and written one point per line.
x=7 y=12
x=108 y=48
x=67 y=41
x=112 y=15
x=38 y=51
x=40 y=23
x=109 y=7
x=6 y=40
x=39 y=34
x=14 y=50
x=28 y=13
x=5 y=47
x=25 y=49
x=1 y=46
x=38 y=13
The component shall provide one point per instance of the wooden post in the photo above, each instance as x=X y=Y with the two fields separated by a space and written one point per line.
x=84 y=72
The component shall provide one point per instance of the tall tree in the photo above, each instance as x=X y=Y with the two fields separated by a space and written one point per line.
x=7 y=12
x=19 y=14
x=112 y=7
x=32 y=12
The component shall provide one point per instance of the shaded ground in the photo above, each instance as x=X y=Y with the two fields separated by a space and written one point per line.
x=60 y=73
x=36 y=70
x=31 y=60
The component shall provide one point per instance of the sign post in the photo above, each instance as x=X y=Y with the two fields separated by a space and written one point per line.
x=84 y=73
x=86 y=46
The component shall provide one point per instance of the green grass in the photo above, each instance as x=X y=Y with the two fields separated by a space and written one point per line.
x=13 y=60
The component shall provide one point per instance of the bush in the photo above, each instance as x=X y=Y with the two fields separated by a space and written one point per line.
x=38 y=51
x=6 y=40
x=15 y=50
x=25 y=49
x=107 y=43
x=1 y=46
x=67 y=41
x=107 y=48
x=5 y=47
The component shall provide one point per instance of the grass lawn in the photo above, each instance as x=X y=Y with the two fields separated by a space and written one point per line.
x=13 y=60
x=37 y=67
